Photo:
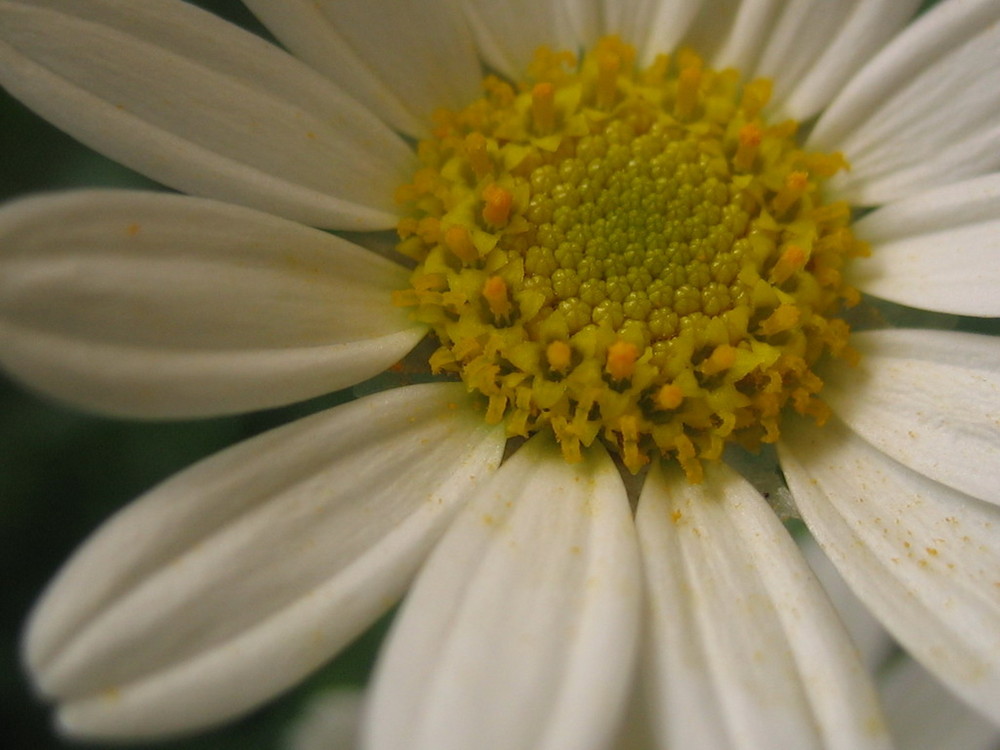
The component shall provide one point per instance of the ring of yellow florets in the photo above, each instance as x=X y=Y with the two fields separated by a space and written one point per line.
x=635 y=256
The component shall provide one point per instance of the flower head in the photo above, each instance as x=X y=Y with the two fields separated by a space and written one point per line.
x=629 y=252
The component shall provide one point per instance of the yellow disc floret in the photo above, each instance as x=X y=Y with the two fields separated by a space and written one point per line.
x=635 y=256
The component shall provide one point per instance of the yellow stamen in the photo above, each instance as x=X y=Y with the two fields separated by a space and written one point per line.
x=495 y=293
x=669 y=397
x=608 y=66
x=477 y=154
x=687 y=92
x=497 y=204
x=543 y=108
x=794 y=188
x=559 y=355
x=750 y=138
x=459 y=241
x=621 y=360
x=792 y=259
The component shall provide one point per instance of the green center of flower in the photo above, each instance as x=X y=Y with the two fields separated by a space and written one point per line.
x=634 y=256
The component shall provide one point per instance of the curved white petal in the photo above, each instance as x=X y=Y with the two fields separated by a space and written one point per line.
x=924 y=112
x=204 y=107
x=152 y=304
x=797 y=40
x=746 y=651
x=520 y=631
x=873 y=641
x=403 y=60
x=931 y=400
x=937 y=249
x=923 y=715
x=508 y=33
x=652 y=26
x=234 y=579
x=747 y=33
x=953 y=271
x=864 y=31
x=923 y=557
x=970 y=202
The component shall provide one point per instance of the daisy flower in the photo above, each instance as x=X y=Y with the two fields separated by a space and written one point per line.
x=625 y=231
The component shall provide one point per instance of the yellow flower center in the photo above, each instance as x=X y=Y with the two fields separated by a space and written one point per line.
x=635 y=256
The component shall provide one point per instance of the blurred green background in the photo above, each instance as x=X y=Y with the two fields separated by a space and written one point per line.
x=63 y=472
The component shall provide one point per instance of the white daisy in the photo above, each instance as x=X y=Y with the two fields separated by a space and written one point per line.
x=536 y=595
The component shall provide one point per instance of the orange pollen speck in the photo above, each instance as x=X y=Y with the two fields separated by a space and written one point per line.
x=497 y=205
x=559 y=355
x=495 y=293
x=621 y=360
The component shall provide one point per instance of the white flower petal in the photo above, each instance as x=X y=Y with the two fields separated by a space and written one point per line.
x=403 y=60
x=929 y=399
x=923 y=557
x=747 y=33
x=924 y=112
x=923 y=715
x=234 y=579
x=202 y=106
x=159 y=305
x=652 y=26
x=864 y=31
x=508 y=33
x=941 y=209
x=746 y=650
x=797 y=40
x=520 y=631
x=953 y=271
x=873 y=641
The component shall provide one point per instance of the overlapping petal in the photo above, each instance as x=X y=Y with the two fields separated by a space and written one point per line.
x=929 y=399
x=231 y=581
x=745 y=649
x=508 y=33
x=204 y=107
x=652 y=26
x=937 y=250
x=921 y=556
x=415 y=58
x=924 y=112
x=813 y=55
x=520 y=631
x=163 y=305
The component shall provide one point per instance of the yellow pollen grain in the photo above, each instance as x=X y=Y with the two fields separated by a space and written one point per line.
x=622 y=356
x=633 y=257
